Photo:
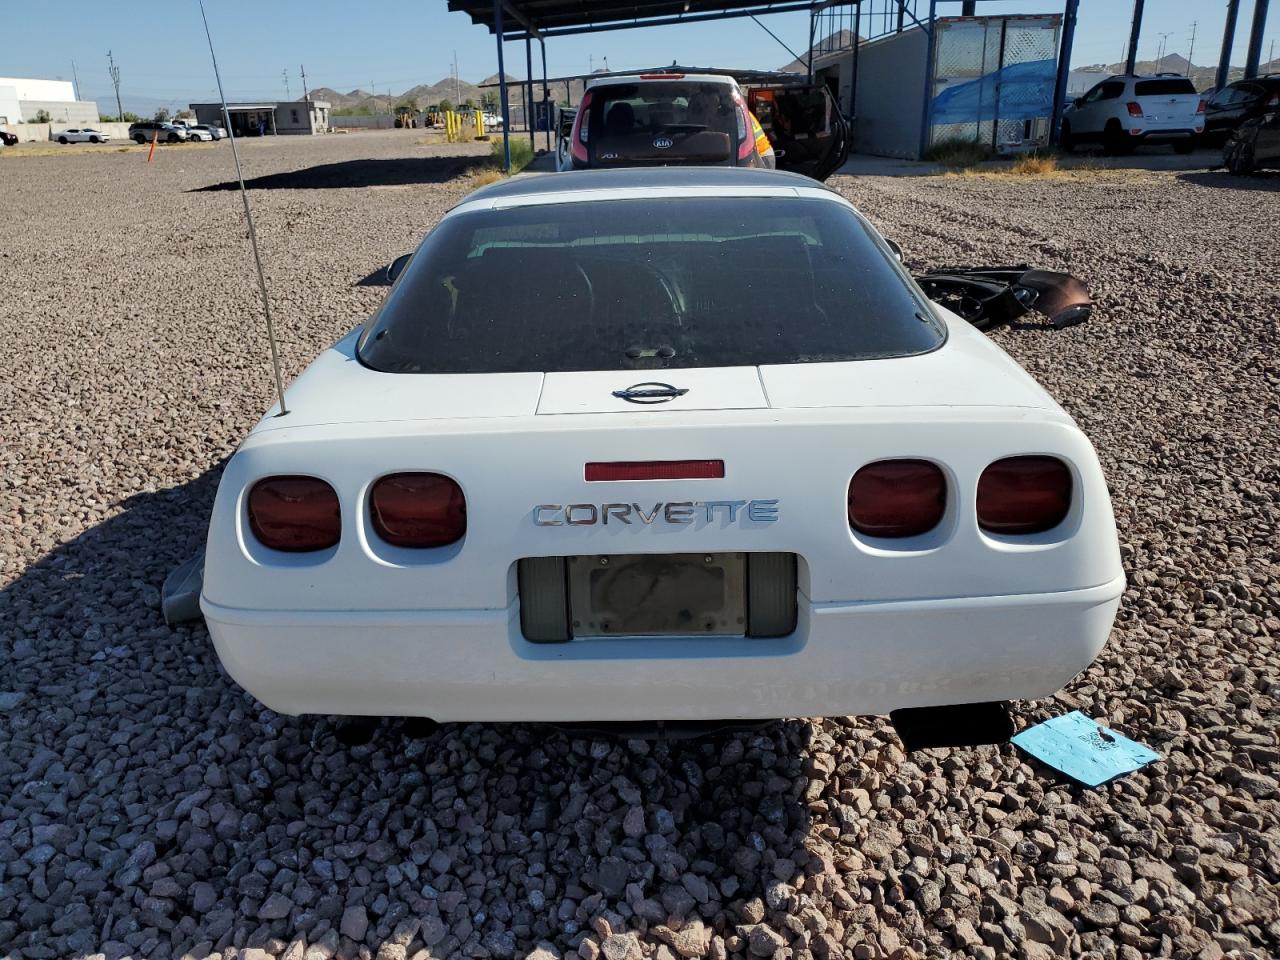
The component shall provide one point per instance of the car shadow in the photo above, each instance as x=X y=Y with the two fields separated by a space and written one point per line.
x=376 y=279
x=1265 y=180
x=346 y=174
x=133 y=766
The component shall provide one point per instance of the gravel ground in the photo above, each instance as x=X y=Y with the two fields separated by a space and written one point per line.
x=150 y=808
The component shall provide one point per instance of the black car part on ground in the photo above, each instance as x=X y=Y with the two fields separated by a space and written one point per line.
x=990 y=297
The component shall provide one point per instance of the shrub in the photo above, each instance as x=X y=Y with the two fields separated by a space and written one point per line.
x=521 y=153
x=42 y=116
x=957 y=152
x=1035 y=165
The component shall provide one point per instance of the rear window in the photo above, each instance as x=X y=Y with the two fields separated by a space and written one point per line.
x=663 y=122
x=1163 y=88
x=647 y=285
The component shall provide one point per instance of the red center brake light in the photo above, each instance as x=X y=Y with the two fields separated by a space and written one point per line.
x=418 y=510
x=1019 y=495
x=656 y=470
x=1135 y=108
x=294 y=514
x=581 y=129
x=897 y=498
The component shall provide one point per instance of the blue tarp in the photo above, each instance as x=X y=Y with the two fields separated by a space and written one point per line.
x=1026 y=92
x=1083 y=749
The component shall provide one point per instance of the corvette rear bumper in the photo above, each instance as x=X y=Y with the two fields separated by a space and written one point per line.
x=843 y=659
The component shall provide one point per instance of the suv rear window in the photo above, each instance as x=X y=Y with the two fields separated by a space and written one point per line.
x=647 y=284
x=693 y=118
x=1163 y=88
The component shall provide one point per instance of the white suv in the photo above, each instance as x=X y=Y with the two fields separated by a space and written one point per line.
x=1124 y=111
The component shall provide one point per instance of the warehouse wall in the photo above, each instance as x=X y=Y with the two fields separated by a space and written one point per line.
x=890 y=95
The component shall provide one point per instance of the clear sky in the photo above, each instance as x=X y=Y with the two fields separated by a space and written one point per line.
x=160 y=49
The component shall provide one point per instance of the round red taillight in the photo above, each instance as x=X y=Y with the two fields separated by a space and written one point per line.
x=295 y=514
x=1019 y=495
x=418 y=510
x=897 y=498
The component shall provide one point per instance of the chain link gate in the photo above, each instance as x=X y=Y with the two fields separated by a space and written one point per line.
x=993 y=81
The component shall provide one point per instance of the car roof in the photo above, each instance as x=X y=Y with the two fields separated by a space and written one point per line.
x=640 y=178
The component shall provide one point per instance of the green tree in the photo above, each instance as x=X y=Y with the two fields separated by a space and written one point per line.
x=162 y=115
x=42 y=116
x=446 y=104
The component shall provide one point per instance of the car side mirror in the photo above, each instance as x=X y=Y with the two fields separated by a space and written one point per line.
x=1077 y=101
x=896 y=248
x=397 y=266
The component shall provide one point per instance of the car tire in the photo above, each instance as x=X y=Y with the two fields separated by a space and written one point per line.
x=139 y=139
x=1066 y=140
x=174 y=138
x=62 y=139
x=1116 y=141
x=1184 y=147
x=1239 y=161
x=94 y=140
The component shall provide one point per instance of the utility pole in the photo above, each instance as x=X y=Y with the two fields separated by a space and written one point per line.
x=76 y=79
x=114 y=71
x=285 y=74
x=1164 y=39
x=305 y=94
x=1192 y=50
x=457 y=93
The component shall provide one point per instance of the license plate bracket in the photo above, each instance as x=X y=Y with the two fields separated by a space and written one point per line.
x=673 y=594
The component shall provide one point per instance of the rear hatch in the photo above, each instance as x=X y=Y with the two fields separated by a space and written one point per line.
x=1167 y=102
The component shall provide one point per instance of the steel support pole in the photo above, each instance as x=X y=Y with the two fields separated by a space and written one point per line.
x=969 y=8
x=1064 y=67
x=546 y=94
x=1254 y=55
x=528 y=72
x=1228 y=39
x=853 y=83
x=926 y=109
x=502 y=90
x=1135 y=33
x=809 y=55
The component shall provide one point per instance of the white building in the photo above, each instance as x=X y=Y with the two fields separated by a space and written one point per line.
x=22 y=99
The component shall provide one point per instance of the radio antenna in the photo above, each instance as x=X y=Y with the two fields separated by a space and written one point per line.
x=248 y=215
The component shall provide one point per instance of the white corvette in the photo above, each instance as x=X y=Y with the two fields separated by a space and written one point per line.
x=677 y=444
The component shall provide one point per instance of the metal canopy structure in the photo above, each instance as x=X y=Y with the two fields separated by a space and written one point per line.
x=540 y=19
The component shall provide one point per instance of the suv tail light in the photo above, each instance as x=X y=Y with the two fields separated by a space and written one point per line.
x=1023 y=495
x=418 y=510
x=581 y=129
x=746 y=136
x=1200 y=107
x=295 y=514
x=1135 y=108
x=897 y=498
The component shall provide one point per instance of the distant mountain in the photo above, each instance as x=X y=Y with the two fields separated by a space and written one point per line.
x=841 y=40
x=1203 y=77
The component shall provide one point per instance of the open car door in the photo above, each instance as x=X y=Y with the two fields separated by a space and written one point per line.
x=805 y=126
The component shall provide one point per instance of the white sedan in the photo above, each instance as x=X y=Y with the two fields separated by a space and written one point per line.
x=674 y=444
x=81 y=135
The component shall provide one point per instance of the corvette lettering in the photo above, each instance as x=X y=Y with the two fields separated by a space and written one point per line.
x=679 y=512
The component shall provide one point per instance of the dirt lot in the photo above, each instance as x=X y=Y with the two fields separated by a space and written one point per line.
x=150 y=808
